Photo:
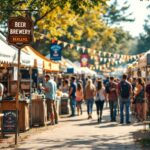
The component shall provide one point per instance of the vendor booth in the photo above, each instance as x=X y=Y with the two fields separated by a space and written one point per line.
x=144 y=65
x=39 y=105
x=8 y=77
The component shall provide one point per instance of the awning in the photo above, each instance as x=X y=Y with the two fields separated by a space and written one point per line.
x=38 y=61
x=26 y=59
x=9 y=54
x=42 y=61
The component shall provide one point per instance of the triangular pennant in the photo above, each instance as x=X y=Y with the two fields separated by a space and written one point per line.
x=71 y=46
x=59 y=42
x=99 y=53
x=105 y=59
x=104 y=53
x=78 y=48
x=65 y=44
x=109 y=54
x=83 y=49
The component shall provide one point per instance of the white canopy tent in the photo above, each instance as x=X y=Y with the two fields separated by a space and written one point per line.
x=9 y=54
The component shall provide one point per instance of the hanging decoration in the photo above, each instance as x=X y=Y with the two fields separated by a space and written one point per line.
x=84 y=60
x=112 y=59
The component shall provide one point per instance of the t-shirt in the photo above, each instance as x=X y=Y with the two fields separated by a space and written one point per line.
x=100 y=95
x=113 y=94
x=51 y=85
x=73 y=87
x=90 y=93
x=79 y=95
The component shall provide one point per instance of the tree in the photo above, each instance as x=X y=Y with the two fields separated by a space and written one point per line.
x=144 y=39
x=39 y=10
x=51 y=18
x=116 y=14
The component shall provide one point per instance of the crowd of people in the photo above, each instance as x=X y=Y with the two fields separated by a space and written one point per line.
x=126 y=96
x=123 y=95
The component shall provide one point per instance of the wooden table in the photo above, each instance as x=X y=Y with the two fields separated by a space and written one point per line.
x=1 y=122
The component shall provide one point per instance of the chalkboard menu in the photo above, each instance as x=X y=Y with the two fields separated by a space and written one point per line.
x=9 y=121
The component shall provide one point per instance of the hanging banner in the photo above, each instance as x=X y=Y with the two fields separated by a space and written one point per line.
x=84 y=60
x=55 y=51
x=20 y=31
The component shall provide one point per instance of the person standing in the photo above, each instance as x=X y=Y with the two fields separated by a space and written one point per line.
x=139 y=96
x=1 y=94
x=72 y=96
x=124 y=92
x=113 y=99
x=79 y=98
x=1 y=91
x=90 y=92
x=100 y=99
x=50 y=93
x=147 y=90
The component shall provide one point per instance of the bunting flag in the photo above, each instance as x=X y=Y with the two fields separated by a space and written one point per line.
x=71 y=46
x=99 y=56
x=65 y=44
x=59 y=42
x=78 y=48
x=89 y=50
x=83 y=49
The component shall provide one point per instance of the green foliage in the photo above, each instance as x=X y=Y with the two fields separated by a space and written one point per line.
x=116 y=14
x=144 y=39
x=72 y=21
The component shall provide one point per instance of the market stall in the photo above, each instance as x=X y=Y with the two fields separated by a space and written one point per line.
x=8 y=77
x=38 y=107
x=144 y=65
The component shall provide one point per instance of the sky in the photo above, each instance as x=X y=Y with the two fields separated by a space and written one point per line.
x=140 y=12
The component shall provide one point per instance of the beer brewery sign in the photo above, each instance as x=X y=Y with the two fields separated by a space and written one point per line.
x=19 y=31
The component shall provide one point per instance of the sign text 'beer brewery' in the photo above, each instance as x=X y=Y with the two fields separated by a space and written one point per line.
x=19 y=31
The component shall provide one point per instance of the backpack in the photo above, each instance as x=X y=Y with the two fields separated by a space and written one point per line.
x=124 y=89
x=107 y=88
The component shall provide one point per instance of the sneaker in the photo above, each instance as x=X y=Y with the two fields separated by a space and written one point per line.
x=52 y=123
x=128 y=122
x=121 y=122
x=56 y=121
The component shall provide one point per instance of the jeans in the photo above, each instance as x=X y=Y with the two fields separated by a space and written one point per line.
x=99 y=106
x=73 y=105
x=126 y=104
x=90 y=106
x=113 y=110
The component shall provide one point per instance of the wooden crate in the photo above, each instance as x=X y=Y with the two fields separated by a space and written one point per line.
x=39 y=112
x=64 y=106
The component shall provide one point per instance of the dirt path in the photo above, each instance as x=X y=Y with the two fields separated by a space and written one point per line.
x=80 y=133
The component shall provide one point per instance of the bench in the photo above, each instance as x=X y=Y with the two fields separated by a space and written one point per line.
x=146 y=123
x=1 y=122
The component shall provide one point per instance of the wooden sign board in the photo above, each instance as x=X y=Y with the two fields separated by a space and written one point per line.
x=9 y=121
x=20 y=31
